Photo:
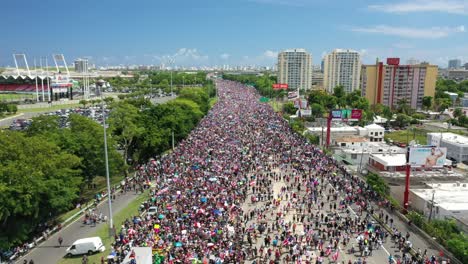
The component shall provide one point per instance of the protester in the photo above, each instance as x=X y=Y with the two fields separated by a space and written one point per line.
x=244 y=188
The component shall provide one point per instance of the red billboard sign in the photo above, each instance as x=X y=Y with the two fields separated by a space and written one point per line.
x=393 y=61
x=356 y=114
x=279 y=86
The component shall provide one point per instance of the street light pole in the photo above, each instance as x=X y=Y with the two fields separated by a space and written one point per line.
x=109 y=195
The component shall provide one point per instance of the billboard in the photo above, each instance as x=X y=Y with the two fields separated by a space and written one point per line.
x=356 y=114
x=427 y=157
x=393 y=61
x=336 y=114
x=347 y=114
x=279 y=86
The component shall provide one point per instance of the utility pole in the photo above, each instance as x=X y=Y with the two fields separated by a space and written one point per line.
x=432 y=205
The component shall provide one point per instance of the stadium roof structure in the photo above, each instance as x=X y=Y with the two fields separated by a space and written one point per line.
x=24 y=77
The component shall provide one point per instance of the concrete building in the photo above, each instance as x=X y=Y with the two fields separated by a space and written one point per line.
x=342 y=67
x=389 y=162
x=458 y=75
x=357 y=150
x=466 y=66
x=317 y=80
x=373 y=133
x=388 y=84
x=457 y=145
x=446 y=200
x=81 y=65
x=295 y=68
x=454 y=64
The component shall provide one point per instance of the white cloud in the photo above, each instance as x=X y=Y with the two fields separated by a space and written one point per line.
x=442 y=6
x=270 y=54
x=183 y=56
x=408 y=32
x=225 y=56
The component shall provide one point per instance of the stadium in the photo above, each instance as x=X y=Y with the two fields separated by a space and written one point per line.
x=23 y=84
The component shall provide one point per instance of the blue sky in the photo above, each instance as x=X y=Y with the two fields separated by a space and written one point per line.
x=235 y=32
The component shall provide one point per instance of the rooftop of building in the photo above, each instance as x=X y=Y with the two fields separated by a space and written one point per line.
x=351 y=139
x=449 y=196
x=451 y=137
x=374 y=126
x=390 y=159
x=345 y=50
x=295 y=50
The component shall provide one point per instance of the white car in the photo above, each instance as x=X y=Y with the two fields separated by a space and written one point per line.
x=88 y=246
x=152 y=210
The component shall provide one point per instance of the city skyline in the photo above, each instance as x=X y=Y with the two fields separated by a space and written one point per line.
x=242 y=32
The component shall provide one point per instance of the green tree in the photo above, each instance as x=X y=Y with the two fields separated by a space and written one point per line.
x=124 y=126
x=317 y=110
x=37 y=181
x=457 y=112
x=198 y=95
x=85 y=139
x=339 y=92
x=403 y=106
x=109 y=100
x=12 y=108
x=442 y=103
x=427 y=102
x=289 y=108
x=402 y=120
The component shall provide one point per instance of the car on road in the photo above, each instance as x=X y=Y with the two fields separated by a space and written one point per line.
x=88 y=246
x=152 y=210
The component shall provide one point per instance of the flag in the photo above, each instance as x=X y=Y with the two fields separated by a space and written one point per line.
x=252 y=183
x=336 y=255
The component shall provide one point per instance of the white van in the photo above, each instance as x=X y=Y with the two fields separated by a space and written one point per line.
x=88 y=246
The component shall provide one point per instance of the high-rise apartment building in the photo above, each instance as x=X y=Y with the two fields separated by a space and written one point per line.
x=454 y=64
x=342 y=67
x=81 y=65
x=388 y=84
x=295 y=68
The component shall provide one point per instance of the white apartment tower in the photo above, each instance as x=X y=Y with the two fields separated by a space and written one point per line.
x=342 y=67
x=295 y=68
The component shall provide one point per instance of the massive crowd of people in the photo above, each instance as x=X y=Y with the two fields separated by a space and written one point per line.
x=244 y=188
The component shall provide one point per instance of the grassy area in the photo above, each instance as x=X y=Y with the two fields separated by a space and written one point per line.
x=15 y=96
x=405 y=136
x=103 y=232
x=88 y=194
x=45 y=109
x=213 y=101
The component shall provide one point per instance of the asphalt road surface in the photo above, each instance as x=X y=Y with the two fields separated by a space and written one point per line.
x=49 y=253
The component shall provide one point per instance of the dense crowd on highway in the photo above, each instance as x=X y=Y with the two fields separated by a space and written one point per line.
x=244 y=188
